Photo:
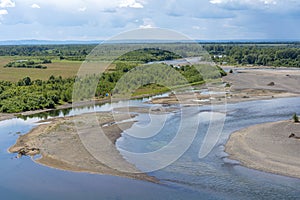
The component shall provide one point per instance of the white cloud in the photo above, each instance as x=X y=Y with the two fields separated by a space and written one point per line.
x=131 y=4
x=3 y=12
x=271 y=6
x=244 y=1
x=242 y=4
x=7 y=4
x=216 y=1
x=35 y=6
x=148 y=23
x=82 y=9
x=200 y=19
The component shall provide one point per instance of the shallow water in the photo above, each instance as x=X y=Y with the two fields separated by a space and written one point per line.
x=215 y=173
x=213 y=177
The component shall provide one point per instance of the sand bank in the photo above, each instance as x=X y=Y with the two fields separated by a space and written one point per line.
x=242 y=85
x=268 y=147
x=60 y=146
x=4 y=116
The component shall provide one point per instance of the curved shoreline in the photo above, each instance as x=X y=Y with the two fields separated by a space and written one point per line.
x=60 y=146
x=267 y=147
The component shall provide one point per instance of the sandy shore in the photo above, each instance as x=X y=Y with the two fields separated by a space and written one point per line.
x=275 y=80
x=267 y=147
x=61 y=147
x=242 y=85
x=4 y=116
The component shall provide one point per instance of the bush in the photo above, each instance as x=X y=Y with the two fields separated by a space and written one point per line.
x=295 y=118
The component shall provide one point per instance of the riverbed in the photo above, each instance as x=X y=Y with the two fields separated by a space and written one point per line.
x=190 y=177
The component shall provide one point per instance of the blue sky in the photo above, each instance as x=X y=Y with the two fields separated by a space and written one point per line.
x=102 y=19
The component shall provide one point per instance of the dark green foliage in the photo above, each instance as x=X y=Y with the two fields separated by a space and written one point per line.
x=148 y=55
x=295 y=118
x=125 y=66
x=27 y=81
x=287 y=55
x=29 y=64
x=191 y=73
x=253 y=54
x=28 y=95
x=46 y=61
x=68 y=52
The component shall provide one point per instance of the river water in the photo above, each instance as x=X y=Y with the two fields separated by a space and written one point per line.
x=212 y=177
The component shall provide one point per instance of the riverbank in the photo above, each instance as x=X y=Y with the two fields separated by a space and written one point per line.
x=7 y=116
x=268 y=147
x=244 y=84
x=61 y=147
x=49 y=140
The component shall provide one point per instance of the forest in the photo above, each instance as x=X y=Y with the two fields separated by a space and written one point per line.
x=276 y=55
x=260 y=54
x=27 y=94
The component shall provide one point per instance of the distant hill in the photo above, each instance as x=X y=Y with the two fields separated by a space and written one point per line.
x=62 y=42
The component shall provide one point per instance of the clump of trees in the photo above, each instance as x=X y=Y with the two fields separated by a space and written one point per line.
x=148 y=55
x=29 y=64
x=26 y=95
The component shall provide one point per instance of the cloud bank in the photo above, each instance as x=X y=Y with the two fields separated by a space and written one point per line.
x=100 y=19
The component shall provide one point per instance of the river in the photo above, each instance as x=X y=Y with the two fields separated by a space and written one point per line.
x=213 y=177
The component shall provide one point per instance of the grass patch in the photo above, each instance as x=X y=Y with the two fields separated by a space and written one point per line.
x=150 y=89
x=62 y=68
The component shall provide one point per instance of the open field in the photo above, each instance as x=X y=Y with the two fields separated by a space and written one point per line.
x=63 y=68
x=57 y=68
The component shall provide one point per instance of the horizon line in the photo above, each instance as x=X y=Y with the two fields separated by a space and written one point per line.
x=46 y=41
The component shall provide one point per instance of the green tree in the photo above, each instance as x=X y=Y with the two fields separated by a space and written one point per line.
x=295 y=118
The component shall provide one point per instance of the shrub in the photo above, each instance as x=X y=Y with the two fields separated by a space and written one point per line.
x=295 y=118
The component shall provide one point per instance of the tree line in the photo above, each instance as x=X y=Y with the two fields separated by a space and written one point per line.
x=27 y=94
x=264 y=55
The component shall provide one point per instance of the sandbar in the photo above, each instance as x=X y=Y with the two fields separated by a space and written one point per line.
x=268 y=147
x=60 y=146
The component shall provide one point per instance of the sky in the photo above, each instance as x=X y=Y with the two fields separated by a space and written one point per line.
x=103 y=19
